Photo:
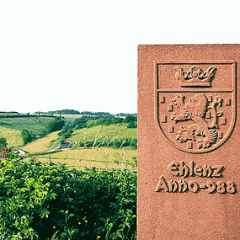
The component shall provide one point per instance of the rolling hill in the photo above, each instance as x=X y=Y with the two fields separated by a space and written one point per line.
x=42 y=144
x=96 y=133
x=34 y=124
x=104 y=133
x=98 y=156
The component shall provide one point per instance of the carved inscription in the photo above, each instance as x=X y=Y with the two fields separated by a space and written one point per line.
x=182 y=186
x=180 y=169
x=183 y=170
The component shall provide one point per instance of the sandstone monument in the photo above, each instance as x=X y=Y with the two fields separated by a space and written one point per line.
x=188 y=142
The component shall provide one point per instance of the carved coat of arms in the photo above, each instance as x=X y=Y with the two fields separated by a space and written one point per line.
x=195 y=104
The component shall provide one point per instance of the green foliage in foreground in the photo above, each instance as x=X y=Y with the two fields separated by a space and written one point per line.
x=39 y=201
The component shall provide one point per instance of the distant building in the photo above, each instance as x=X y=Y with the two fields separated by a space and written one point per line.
x=20 y=152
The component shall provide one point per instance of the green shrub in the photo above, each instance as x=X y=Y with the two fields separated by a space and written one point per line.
x=130 y=118
x=133 y=143
x=132 y=124
x=116 y=143
x=39 y=200
x=55 y=125
x=26 y=136
x=3 y=142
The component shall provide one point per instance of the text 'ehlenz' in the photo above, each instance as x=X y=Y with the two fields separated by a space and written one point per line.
x=180 y=169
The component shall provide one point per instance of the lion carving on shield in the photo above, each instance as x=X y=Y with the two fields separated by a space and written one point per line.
x=195 y=109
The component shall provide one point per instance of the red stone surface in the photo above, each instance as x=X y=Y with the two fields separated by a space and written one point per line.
x=188 y=142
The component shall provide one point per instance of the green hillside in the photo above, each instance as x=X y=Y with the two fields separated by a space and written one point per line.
x=14 y=138
x=85 y=135
x=104 y=133
x=100 y=156
x=35 y=124
x=42 y=144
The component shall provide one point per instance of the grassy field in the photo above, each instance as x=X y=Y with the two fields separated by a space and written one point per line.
x=41 y=144
x=14 y=138
x=35 y=124
x=94 y=157
x=107 y=133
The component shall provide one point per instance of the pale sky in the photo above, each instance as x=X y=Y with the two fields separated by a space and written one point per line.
x=82 y=55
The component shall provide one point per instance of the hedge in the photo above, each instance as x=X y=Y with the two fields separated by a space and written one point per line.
x=41 y=200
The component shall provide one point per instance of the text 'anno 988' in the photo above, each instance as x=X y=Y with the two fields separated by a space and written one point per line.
x=180 y=169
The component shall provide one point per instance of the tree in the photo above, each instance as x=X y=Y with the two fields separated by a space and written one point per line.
x=132 y=124
x=3 y=142
x=129 y=118
x=80 y=123
x=117 y=120
x=55 y=125
x=26 y=136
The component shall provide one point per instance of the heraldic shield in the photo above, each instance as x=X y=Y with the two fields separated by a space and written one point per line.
x=196 y=103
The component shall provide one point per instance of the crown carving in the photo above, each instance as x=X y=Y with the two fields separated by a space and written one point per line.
x=196 y=77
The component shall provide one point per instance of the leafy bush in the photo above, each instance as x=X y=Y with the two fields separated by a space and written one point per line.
x=132 y=124
x=132 y=120
x=133 y=143
x=3 y=142
x=80 y=123
x=39 y=200
x=26 y=136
